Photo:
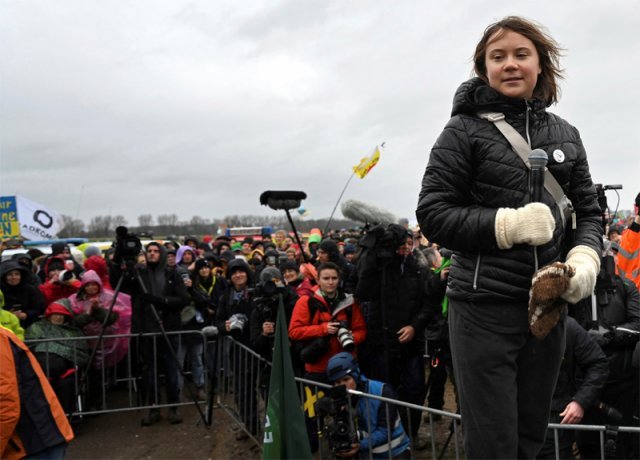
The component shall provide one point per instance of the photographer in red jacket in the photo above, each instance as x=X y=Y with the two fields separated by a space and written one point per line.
x=322 y=325
x=329 y=322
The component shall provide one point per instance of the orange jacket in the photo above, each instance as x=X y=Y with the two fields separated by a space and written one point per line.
x=629 y=255
x=31 y=418
x=303 y=327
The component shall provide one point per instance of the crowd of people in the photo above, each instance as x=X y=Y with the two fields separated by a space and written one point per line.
x=380 y=296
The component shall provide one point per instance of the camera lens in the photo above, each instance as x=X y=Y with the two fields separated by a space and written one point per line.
x=346 y=339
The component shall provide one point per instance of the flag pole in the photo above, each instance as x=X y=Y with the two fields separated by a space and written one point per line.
x=326 y=227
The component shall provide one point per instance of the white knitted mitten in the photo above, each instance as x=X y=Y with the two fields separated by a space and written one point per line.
x=586 y=263
x=532 y=224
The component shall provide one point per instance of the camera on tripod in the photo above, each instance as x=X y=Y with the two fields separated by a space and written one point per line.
x=127 y=246
x=336 y=421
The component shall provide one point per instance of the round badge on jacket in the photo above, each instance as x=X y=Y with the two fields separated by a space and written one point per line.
x=558 y=155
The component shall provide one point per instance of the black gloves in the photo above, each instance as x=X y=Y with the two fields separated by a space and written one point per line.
x=614 y=337
x=602 y=335
x=623 y=337
x=156 y=300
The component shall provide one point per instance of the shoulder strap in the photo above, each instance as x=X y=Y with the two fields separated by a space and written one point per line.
x=523 y=149
x=312 y=305
x=519 y=145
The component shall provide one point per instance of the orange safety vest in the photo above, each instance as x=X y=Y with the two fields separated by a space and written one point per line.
x=628 y=262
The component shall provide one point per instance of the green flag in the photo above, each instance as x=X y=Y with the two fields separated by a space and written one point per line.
x=285 y=433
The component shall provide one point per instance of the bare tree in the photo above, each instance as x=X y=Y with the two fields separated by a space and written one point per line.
x=71 y=227
x=197 y=220
x=145 y=220
x=170 y=220
x=117 y=221
x=100 y=226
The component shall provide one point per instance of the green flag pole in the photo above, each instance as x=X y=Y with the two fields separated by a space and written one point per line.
x=285 y=434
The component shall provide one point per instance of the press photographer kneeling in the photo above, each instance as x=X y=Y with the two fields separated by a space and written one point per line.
x=377 y=431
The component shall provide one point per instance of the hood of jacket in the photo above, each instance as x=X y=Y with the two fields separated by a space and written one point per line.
x=162 y=262
x=239 y=264
x=182 y=250
x=11 y=265
x=90 y=276
x=50 y=261
x=98 y=265
x=475 y=95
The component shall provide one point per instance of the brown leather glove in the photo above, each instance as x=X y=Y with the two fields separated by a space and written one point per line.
x=545 y=303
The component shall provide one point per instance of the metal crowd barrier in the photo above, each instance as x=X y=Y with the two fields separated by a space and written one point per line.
x=237 y=377
x=442 y=428
x=117 y=388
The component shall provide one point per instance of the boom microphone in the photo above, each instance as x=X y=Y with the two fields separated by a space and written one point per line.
x=359 y=211
x=538 y=160
x=279 y=199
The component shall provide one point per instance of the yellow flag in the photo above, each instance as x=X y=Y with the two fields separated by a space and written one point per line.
x=367 y=163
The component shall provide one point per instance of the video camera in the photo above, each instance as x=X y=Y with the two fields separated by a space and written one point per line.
x=127 y=247
x=266 y=299
x=336 y=421
x=384 y=240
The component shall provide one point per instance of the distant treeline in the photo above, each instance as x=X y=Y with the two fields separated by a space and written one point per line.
x=104 y=227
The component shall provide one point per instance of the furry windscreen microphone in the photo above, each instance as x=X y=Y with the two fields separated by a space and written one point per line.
x=545 y=303
x=359 y=211
x=281 y=199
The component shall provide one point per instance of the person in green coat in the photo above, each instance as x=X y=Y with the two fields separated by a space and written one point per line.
x=60 y=356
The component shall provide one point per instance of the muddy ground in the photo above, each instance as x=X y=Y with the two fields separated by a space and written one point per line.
x=120 y=436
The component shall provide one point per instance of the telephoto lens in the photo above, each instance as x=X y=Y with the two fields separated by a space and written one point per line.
x=210 y=331
x=345 y=337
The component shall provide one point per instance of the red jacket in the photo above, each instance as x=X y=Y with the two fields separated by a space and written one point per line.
x=56 y=291
x=53 y=291
x=304 y=328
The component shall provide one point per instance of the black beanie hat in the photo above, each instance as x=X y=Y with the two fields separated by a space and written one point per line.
x=289 y=265
x=227 y=255
x=238 y=264
x=55 y=264
x=57 y=248
x=329 y=246
x=200 y=263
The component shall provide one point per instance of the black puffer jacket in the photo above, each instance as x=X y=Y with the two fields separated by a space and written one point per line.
x=402 y=291
x=473 y=171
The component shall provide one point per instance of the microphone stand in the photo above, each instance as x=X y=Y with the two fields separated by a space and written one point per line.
x=295 y=232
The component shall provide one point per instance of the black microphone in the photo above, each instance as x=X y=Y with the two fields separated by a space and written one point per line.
x=282 y=199
x=538 y=161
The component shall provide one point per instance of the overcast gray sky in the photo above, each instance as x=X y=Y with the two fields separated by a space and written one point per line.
x=195 y=108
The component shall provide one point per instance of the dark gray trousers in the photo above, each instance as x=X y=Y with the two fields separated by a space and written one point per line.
x=505 y=383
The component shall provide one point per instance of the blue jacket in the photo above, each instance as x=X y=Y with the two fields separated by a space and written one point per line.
x=372 y=414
